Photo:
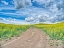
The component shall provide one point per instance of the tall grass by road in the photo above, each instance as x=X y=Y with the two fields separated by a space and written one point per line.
x=55 y=31
x=9 y=30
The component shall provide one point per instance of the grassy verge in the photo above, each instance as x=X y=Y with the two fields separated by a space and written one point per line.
x=55 y=31
x=9 y=30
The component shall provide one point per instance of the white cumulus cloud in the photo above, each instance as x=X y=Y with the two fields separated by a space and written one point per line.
x=12 y=21
x=22 y=3
x=6 y=3
x=29 y=19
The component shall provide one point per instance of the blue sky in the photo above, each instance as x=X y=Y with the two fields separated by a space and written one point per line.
x=31 y=11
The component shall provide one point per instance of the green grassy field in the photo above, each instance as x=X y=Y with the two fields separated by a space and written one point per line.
x=9 y=30
x=55 y=31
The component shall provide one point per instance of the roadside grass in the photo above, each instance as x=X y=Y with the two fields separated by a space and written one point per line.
x=10 y=30
x=55 y=31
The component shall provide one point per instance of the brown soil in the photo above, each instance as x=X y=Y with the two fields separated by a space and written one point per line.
x=32 y=38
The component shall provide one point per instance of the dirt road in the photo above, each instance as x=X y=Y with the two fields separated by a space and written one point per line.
x=32 y=38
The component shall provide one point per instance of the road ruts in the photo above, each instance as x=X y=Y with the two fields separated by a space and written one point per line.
x=32 y=38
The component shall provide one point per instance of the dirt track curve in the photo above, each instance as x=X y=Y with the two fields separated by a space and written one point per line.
x=32 y=38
